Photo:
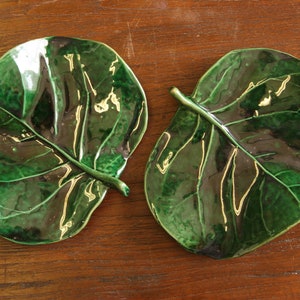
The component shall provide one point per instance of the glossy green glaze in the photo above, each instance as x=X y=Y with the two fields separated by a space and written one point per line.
x=71 y=113
x=224 y=177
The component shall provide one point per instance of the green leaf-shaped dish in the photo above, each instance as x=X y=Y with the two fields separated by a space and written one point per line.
x=71 y=113
x=224 y=178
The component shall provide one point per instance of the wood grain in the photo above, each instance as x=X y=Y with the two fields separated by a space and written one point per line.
x=123 y=253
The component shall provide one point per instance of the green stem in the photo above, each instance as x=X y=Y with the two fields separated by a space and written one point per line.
x=203 y=112
x=106 y=179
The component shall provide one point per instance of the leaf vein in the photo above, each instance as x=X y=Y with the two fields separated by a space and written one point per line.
x=18 y=212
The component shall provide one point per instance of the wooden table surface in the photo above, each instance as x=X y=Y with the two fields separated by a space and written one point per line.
x=123 y=253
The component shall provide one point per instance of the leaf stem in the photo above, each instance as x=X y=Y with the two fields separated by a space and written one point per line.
x=175 y=92
x=108 y=180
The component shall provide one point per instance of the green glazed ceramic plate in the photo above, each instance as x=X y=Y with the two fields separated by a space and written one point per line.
x=71 y=113
x=224 y=177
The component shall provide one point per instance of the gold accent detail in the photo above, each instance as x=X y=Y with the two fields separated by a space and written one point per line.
x=165 y=146
x=233 y=154
x=165 y=164
x=77 y=115
x=64 y=227
x=283 y=86
x=252 y=85
x=112 y=67
x=88 y=191
x=202 y=158
x=90 y=83
x=68 y=171
x=103 y=105
x=239 y=209
x=70 y=59
x=267 y=100
x=58 y=157
x=15 y=139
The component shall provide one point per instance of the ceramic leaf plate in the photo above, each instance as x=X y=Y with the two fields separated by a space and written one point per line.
x=71 y=113
x=224 y=177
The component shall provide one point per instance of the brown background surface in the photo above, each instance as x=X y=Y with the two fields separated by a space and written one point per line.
x=123 y=253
